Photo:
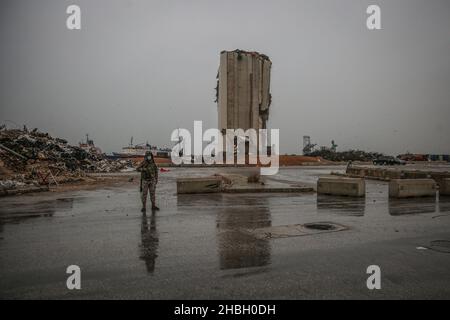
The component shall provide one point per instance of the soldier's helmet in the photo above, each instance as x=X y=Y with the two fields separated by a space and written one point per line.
x=148 y=155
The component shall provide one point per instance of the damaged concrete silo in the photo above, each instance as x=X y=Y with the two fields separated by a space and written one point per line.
x=243 y=90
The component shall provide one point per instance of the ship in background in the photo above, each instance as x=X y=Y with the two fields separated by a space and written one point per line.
x=90 y=147
x=139 y=150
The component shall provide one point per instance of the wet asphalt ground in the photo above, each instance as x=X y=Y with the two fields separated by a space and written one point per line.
x=199 y=247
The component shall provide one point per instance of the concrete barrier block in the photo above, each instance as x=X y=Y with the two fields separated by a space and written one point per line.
x=444 y=188
x=393 y=174
x=340 y=186
x=416 y=175
x=440 y=177
x=199 y=185
x=406 y=188
x=356 y=171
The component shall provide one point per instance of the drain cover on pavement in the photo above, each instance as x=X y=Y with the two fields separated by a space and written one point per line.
x=320 y=226
x=295 y=230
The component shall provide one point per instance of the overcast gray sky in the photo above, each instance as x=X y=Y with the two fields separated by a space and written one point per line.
x=143 y=68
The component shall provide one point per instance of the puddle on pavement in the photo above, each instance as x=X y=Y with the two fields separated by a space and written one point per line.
x=243 y=223
x=411 y=206
x=237 y=249
x=341 y=205
x=44 y=208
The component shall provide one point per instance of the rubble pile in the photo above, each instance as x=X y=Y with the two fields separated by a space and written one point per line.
x=106 y=165
x=11 y=184
x=33 y=157
x=350 y=155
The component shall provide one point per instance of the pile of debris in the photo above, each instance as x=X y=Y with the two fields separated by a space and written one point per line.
x=33 y=157
x=350 y=155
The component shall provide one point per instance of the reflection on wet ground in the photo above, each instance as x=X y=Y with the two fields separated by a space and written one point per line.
x=444 y=204
x=237 y=249
x=377 y=197
x=442 y=246
x=341 y=205
x=44 y=208
x=199 y=201
x=149 y=241
x=398 y=207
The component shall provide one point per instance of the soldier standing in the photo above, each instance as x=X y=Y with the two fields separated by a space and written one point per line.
x=149 y=179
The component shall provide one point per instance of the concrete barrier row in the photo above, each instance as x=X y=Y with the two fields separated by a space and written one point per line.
x=390 y=174
x=373 y=173
x=398 y=188
x=340 y=186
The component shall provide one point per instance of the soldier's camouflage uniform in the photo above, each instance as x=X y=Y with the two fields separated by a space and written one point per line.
x=149 y=179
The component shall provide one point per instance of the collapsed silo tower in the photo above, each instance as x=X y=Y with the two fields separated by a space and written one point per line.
x=243 y=90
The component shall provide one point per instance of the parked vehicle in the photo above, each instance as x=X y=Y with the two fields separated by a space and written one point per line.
x=388 y=161
x=413 y=157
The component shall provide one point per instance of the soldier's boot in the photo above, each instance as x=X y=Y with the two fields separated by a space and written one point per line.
x=153 y=199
